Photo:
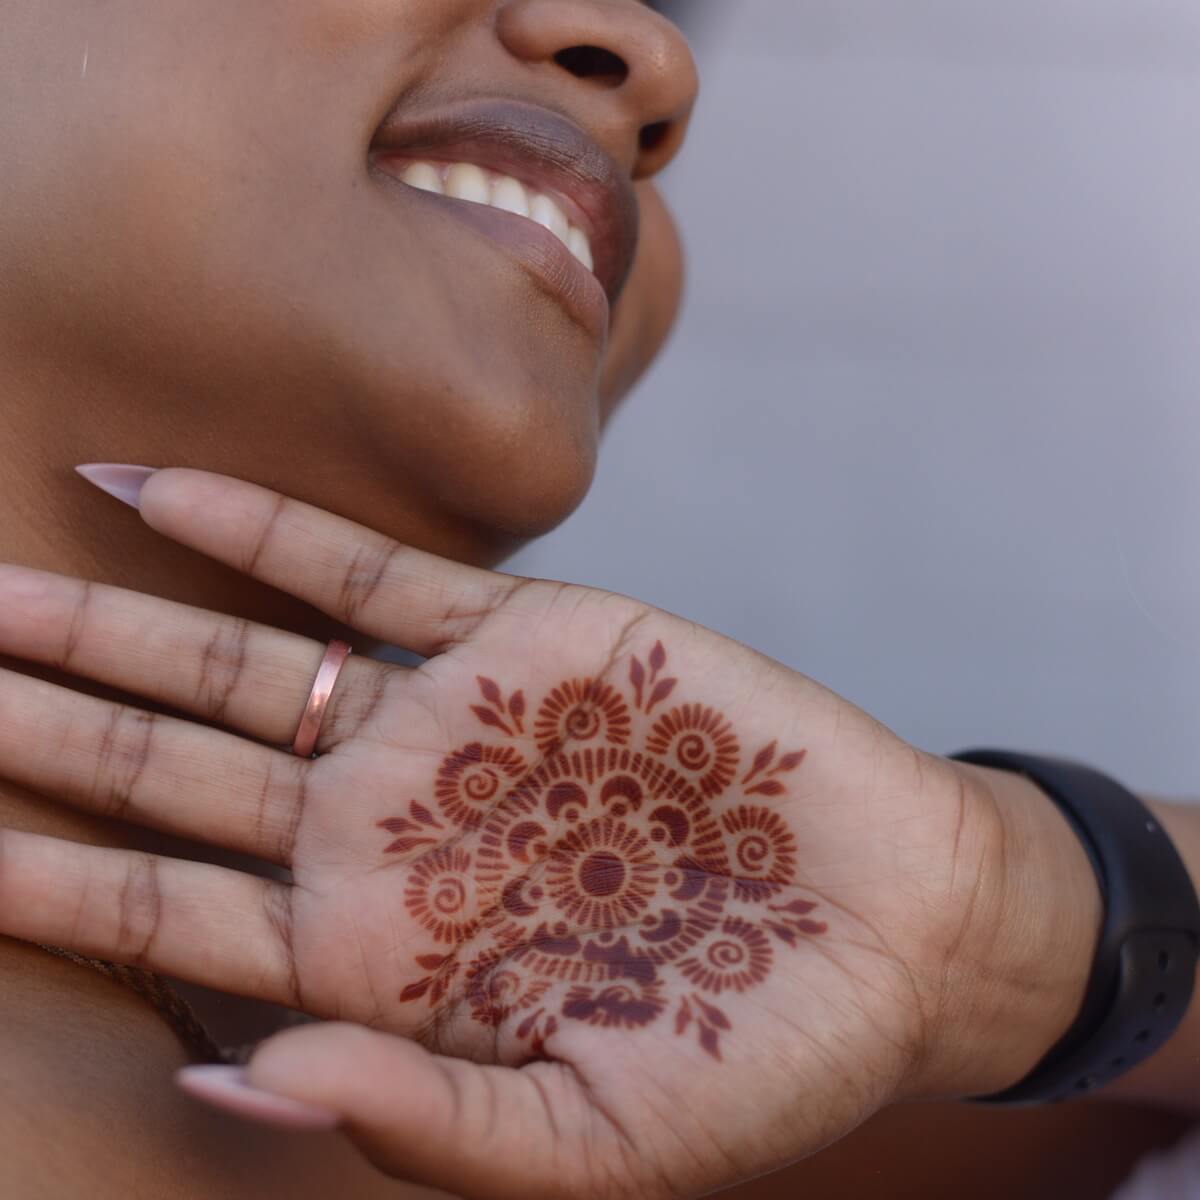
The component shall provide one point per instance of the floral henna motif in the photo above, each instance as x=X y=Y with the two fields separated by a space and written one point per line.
x=764 y=852
x=474 y=779
x=495 y=992
x=590 y=886
x=581 y=711
x=441 y=894
x=734 y=956
x=699 y=743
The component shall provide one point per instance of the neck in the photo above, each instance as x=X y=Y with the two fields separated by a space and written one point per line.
x=58 y=522
x=55 y=521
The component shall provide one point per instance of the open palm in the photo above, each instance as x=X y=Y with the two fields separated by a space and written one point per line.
x=656 y=912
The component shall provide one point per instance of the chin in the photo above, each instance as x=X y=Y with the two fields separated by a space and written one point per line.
x=524 y=485
x=511 y=460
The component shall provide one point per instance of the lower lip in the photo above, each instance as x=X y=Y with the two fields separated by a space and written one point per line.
x=540 y=252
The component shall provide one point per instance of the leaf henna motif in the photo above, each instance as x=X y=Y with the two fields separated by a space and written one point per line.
x=661 y=692
x=789 y=762
x=637 y=676
x=761 y=761
x=420 y=821
x=491 y=693
x=769 y=787
x=611 y=883
x=658 y=658
x=490 y=718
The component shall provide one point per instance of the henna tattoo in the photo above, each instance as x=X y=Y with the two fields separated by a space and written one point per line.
x=699 y=743
x=440 y=894
x=764 y=851
x=581 y=711
x=608 y=884
x=472 y=779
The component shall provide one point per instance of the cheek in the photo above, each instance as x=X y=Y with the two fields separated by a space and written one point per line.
x=650 y=304
x=192 y=228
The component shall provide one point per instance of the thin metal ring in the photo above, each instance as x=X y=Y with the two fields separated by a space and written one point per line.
x=305 y=742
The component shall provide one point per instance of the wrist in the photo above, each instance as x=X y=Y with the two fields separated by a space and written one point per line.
x=1015 y=974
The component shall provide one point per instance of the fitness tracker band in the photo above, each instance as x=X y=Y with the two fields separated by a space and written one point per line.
x=1145 y=965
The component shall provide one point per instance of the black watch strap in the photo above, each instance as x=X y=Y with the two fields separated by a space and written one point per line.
x=1145 y=965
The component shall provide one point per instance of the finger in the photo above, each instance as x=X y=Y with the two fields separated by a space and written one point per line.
x=482 y=1131
x=248 y=677
x=224 y=929
x=363 y=579
x=157 y=771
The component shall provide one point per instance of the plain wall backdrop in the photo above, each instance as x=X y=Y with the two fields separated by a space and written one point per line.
x=928 y=430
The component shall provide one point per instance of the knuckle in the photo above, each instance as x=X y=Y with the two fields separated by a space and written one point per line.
x=221 y=667
x=266 y=533
x=277 y=910
x=139 y=910
x=280 y=808
x=364 y=575
x=121 y=760
x=75 y=629
x=462 y=619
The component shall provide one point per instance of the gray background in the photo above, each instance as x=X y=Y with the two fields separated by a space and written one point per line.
x=928 y=431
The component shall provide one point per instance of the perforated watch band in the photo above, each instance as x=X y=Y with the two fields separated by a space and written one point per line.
x=1145 y=965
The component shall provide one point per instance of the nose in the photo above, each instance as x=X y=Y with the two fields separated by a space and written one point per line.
x=633 y=78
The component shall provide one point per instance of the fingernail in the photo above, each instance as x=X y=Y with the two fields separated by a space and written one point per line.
x=226 y=1087
x=121 y=480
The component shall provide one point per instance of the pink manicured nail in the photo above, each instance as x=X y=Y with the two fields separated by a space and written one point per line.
x=226 y=1087
x=121 y=480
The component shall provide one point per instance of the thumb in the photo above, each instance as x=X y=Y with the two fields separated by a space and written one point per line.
x=487 y=1132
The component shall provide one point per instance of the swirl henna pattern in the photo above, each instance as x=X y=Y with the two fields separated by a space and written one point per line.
x=604 y=883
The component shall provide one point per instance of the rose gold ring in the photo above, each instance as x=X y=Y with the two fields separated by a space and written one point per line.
x=336 y=654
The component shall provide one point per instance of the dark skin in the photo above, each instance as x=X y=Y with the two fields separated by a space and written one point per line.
x=165 y=312
x=208 y=147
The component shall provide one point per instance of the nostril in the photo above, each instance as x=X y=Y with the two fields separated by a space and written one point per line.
x=594 y=62
x=653 y=136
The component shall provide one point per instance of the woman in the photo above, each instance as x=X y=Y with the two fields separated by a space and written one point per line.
x=426 y=340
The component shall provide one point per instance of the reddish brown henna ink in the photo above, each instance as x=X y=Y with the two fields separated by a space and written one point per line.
x=610 y=883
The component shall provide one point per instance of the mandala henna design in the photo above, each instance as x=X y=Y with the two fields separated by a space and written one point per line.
x=602 y=874
x=609 y=883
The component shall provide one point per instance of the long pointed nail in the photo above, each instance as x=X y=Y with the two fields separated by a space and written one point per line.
x=226 y=1087
x=122 y=480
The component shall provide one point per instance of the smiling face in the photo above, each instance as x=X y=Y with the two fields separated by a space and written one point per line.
x=383 y=254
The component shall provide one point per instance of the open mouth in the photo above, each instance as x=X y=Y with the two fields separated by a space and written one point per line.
x=468 y=181
x=530 y=179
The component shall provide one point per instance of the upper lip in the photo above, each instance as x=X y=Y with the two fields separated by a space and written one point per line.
x=545 y=151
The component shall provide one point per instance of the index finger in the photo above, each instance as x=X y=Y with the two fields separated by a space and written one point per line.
x=361 y=578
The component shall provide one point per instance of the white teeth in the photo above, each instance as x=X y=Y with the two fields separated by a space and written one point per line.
x=511 y=196
x=545 y=212
x=466 y=181
x=578 y=244
x=425 y=177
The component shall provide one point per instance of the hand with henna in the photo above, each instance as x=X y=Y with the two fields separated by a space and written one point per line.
x=597 y=903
